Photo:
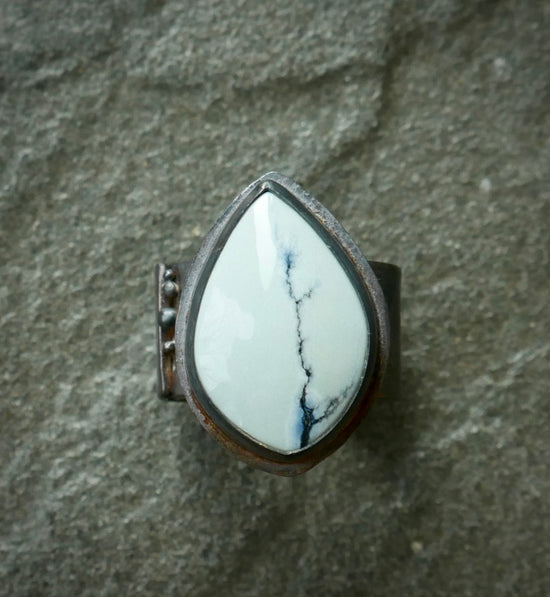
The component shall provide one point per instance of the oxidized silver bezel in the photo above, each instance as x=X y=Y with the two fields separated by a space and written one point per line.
x=368 y=289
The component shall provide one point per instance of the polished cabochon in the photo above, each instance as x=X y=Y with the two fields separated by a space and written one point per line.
x=281 y=339
x=278 y=334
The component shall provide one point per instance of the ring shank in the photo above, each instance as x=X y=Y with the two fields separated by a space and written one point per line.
x=389 y=278
x=388 y=275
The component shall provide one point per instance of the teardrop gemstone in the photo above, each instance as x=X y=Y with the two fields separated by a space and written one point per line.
x=281 y=338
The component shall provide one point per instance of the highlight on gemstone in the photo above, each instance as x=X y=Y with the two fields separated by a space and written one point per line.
x=281 y=338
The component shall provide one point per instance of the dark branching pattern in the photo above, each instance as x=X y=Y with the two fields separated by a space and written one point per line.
x=308 y=412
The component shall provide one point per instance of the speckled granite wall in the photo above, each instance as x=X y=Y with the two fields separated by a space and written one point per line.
x=126 y=128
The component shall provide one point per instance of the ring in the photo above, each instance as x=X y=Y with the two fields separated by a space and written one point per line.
x=280 y=334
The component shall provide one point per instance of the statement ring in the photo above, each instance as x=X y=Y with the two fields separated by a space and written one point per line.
x=280 y=333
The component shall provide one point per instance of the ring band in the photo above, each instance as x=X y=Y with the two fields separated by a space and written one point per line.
x=280 y=334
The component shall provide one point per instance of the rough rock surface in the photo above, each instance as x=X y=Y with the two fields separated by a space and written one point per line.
x=125 y=129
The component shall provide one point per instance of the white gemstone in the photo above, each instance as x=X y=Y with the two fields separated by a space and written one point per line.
x=281 y=337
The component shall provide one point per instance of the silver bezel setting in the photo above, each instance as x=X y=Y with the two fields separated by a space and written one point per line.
x=368 y=289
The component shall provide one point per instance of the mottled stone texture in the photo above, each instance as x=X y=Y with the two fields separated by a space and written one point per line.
x=125 y=129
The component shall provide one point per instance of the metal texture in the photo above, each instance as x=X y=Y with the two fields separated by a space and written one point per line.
x=377 y=286
x=169 y=280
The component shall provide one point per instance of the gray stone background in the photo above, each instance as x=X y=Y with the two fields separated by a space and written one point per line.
x=126 y=129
